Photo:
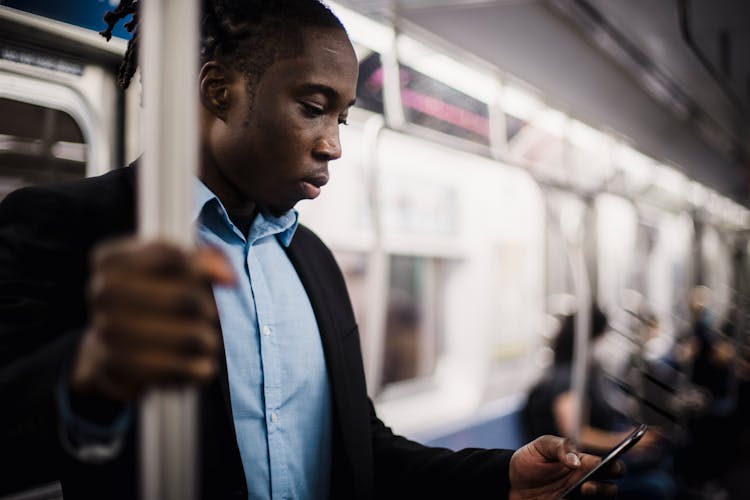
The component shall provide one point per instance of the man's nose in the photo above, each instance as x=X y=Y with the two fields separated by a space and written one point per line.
x=328 y=146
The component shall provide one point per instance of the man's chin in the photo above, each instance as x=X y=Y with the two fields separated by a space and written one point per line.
x=278 y=209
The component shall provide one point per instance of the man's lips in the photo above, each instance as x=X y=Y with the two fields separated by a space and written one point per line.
x=317 y=180
x=311 y=184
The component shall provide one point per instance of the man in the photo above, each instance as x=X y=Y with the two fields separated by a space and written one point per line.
x=263 y=324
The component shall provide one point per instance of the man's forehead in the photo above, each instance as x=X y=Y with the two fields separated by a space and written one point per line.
x=326 y=61
x=332 y=42
x=330 y=50
x=305 y=70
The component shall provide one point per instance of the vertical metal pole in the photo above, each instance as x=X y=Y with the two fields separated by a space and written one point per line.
x=169 y=54
x=378 y=264
x=573 y=229
x=393 y=107
x=579 y=380
x=498 y=125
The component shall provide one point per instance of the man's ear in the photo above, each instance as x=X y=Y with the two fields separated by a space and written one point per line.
x=215 y=89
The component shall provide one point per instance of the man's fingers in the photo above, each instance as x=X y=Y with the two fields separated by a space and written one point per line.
x=140 y=368
x=558 y=449
x=157 y=258
x=568 y=454
x=163 y=260
x=614 y=470
x=121 y=290
x=213 y=265
x=120 y=330
x=571 y=459
x=126 y=371
x=154 y=319
x=598 y=488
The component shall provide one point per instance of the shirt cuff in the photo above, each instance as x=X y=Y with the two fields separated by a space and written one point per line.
x=84 y=439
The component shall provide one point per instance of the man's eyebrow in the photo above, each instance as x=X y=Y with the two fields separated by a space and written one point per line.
x=327 y=91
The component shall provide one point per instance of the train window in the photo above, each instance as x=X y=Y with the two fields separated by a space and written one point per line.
x=412 y=330
x=39 y=145
x=354 y=267
x=418 y=206
x=433 y=104
x=370 y=83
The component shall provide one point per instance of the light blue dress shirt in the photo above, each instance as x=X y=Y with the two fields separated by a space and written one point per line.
x=278 y=381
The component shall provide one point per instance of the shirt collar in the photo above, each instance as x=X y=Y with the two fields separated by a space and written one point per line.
x=265 y=224
x=201 y=196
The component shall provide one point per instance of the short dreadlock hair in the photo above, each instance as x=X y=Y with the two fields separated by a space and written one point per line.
x=249 y=35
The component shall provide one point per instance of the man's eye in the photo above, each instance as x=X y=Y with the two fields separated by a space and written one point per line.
x=312 y=109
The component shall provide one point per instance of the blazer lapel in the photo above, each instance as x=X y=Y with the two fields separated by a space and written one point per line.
x=315 y=285
x=312 y=281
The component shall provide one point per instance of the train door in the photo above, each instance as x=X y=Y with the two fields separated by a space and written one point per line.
x=64 y=107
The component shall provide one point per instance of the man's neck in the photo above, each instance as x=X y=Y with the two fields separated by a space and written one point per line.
x=242 y=217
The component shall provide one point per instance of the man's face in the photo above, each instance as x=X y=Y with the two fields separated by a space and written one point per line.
x=274 y=151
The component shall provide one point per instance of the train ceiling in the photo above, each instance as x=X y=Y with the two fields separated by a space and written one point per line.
x=609 y=62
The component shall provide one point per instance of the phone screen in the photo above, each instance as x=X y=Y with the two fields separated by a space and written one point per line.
x=622 y=447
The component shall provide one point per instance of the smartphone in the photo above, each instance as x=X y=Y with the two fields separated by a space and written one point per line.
x=622 y=447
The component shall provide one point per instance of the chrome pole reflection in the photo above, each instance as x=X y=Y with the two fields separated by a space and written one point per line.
x=169 y=53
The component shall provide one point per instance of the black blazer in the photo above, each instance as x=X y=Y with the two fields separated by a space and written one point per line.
x=46 y=236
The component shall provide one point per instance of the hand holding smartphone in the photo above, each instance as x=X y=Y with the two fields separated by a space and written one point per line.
x=627 y=443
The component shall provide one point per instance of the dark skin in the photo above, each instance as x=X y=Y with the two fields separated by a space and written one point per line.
x=546 y=467
x=275 y=151
x=154 y=321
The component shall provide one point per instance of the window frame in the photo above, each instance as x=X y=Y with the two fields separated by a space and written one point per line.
x=64 y=98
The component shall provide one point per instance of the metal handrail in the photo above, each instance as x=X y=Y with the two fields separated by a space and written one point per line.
x=169 y=54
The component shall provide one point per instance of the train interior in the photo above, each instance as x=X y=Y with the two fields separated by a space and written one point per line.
x=502 y=157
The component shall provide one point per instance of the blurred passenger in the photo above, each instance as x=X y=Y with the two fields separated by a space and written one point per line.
x=707 y=356
x=652 y=377
x=734 y=479
x=550 y=408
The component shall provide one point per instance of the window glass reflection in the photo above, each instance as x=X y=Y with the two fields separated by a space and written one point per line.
x=370 y=82
x=38 y=145
x=412 y=332
x=354 y=267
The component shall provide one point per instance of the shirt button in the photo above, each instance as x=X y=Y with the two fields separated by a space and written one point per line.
x=266 y=331
x=274 y=417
